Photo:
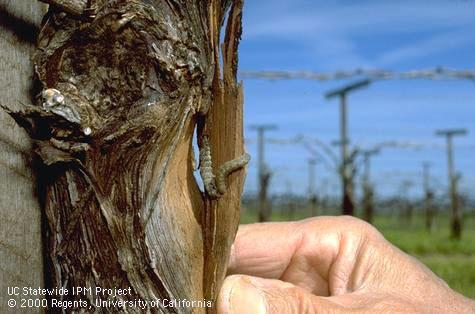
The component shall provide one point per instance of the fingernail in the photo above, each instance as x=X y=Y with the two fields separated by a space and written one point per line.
x=245 y=297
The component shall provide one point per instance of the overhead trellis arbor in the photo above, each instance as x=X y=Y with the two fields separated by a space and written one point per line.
x=368 y=76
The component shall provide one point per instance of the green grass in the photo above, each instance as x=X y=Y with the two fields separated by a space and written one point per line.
x=250 y=217
x=453 y=261
x=414 y=239
x=457 y=270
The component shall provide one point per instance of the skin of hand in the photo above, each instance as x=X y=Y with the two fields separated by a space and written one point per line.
x=329 y=265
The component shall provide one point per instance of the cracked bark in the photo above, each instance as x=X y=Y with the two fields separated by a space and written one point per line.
x=122 y=205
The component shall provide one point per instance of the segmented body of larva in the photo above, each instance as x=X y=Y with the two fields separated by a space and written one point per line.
x=229 y=167
x=216 y=186
x=206 y=168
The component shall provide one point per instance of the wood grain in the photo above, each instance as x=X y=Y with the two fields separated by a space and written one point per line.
x=20 y=223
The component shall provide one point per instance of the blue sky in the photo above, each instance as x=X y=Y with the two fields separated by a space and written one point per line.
x=343 y=35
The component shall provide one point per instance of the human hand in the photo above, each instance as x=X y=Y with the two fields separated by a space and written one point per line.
x=329 y=265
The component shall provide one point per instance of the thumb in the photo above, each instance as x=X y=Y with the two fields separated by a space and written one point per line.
x=246 y=294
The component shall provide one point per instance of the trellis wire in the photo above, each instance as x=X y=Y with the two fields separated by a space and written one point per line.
x=374 y=74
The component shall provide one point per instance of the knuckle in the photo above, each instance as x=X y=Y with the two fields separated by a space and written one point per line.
x=357 y=227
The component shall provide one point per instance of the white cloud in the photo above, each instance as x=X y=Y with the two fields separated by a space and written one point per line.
x=293 y=18
x=435 y=44
x=332 y=30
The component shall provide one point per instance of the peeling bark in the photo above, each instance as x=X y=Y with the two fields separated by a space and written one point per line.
x=122 y=92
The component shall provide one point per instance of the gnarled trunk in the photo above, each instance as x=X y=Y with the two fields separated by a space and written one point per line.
x=124 y=85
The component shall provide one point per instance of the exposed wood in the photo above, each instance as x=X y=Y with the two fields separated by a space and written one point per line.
x=222 y=216
x=20 y=237
x=121 y=95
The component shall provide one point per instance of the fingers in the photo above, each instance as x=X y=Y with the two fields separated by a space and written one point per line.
x=243 y=294
x=328 y=265
x=264 y=250
x=315 y=254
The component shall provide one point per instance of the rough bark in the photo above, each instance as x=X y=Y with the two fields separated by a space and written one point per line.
x=124 y=85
